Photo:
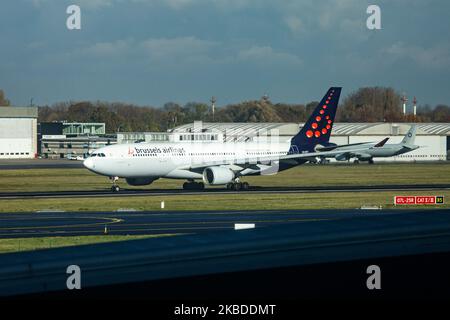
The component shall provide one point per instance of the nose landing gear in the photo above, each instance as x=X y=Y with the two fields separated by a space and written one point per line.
x=114 y=187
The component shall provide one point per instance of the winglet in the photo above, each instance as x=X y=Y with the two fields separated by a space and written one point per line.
x=381 y=143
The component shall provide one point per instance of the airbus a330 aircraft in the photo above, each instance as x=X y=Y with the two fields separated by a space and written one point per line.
x=217 y=163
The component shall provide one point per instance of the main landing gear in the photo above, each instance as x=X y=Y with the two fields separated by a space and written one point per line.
x=237 y=185
x=192 y=185
x=370 y=161
x=114 y=187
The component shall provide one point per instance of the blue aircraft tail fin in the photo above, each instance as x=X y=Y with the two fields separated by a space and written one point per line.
x=317 y=129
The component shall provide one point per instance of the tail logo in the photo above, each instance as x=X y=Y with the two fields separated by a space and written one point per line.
x=315 y=125
x=318 y=126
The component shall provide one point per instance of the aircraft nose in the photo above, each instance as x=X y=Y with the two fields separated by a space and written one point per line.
x=89 y=163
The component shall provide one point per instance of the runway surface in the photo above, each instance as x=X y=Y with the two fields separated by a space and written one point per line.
x=267 y=262
x=253 y=189
x=22 y=225
x=15 y=164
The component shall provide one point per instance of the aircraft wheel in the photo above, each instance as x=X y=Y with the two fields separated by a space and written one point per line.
x=115 y=188
x=245 y=186
x=356 y=161
x=371 y=161
x=229 y=186
x=237 y=186
x=200 y=186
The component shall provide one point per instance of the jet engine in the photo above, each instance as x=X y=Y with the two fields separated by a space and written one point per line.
x=140 y=181
x=342 y=157
x=325 y=147
x=218 y=175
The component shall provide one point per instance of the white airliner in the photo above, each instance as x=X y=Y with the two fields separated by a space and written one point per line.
x=217 y=163
x=372 y=150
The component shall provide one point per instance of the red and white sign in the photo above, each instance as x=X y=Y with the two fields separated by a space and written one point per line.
x=417 y=200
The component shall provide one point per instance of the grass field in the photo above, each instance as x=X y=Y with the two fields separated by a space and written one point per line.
x=304 y=176
x=247 y=201
x=27 y=244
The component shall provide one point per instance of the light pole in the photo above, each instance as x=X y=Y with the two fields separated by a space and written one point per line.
x=213 y=106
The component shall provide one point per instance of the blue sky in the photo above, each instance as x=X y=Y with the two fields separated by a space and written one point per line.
x=154 y=51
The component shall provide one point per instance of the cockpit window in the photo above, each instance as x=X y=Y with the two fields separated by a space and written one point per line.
x=98 y=155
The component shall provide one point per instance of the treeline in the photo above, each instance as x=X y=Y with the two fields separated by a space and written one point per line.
x=3 y=101
x=372 y=104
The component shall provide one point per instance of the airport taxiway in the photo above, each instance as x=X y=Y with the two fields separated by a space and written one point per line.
x=302 y=259
x=253 y=189
x=46 y=224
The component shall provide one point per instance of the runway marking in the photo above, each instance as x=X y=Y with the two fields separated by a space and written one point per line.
x=118 y=228
x=224 y=213
x=193 y=223
x=224 y=222
x=111 y=221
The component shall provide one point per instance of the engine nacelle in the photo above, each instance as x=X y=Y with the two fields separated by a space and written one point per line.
x=325 y=147
x=217 y=175
x=342 y=157
x=140 y=181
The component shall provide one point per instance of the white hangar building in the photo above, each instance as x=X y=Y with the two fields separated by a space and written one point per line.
x=434 y=138
x=18 y=132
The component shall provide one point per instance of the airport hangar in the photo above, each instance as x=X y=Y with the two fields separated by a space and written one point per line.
x=434 y=138
x=18 y=132
x=60 y=139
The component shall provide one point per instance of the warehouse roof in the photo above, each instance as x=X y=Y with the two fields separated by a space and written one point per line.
x=289 y=129
x=240 y=128
x=389 y=128
x=18 y=112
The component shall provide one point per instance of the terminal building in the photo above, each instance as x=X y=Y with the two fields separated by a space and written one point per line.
x=434 y=138
x=71 y=140
x=18 y=132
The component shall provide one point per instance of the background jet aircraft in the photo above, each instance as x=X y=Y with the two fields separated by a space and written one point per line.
x=368 y=151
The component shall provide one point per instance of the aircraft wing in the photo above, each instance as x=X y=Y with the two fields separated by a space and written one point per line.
x=331 y=148
x=253 y=161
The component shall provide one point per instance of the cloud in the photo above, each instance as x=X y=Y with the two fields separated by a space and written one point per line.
x=150 y=52
x=437 y=56
x=294 y=24
x=266 y=54
x=179 y=47
x=84 y=4
x=188 y=49
x=104 y=49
